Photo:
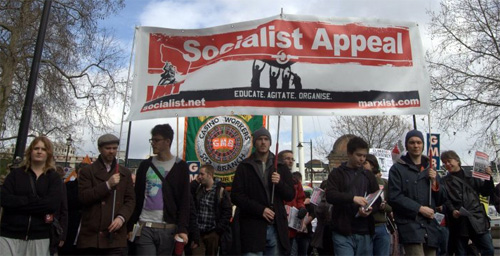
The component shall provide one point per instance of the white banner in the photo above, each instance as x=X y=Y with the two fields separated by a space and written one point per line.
x=290 y=64
x=384 y=158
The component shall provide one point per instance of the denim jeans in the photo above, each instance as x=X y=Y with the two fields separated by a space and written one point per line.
x=352 y=245
x=155 y=241
x=443 y=241
x=299 y=245
x=483 y=242
x=272 y=244
x=381 y=241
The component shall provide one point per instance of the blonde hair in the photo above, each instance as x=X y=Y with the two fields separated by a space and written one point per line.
x=49 y=148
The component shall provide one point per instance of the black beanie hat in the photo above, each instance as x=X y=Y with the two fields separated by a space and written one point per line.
x=261 y=132
x=413 y=133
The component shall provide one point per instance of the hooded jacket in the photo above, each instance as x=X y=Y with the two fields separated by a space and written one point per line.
x=340 y=193
x=409 y=190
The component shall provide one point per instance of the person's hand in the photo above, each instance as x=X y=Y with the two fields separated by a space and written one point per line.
x=268 y=214
x=61 y=243
x=382 y=205
x=488 y=171
x=432 y=175
x=194 y=245
x=302 y=213
x=307 y=201
x=129 y=235
x=115 y=225
x=364 y=213
x=275 y=178
x=456 y=214
x=183 y=236
x=359 y=200
x=114 y=180
x=426 y=212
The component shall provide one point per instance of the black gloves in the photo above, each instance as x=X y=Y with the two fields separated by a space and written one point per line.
x=302 y=213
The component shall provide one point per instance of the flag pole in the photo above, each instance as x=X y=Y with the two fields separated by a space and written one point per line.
x=430 y=159
x=113 y=209
x=276 y=159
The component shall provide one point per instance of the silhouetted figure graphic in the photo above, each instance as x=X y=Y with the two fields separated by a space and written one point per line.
x=256 y=70
x=273 y=78
x=168 y=75
x=296 y=81
x=285 y=84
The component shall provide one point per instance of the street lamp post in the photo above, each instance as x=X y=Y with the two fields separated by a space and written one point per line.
x=69 y=140
x=311 y=162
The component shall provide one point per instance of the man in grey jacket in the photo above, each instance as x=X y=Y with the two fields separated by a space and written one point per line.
x=414 y=193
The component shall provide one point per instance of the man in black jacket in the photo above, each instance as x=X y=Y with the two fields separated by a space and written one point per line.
x=263 y=219
x=467 y=216
x=414 y=193
x=346 y=189
x=213 y=207
x=163 y=197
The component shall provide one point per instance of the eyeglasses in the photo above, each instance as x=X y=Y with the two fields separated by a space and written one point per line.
x=155 y=140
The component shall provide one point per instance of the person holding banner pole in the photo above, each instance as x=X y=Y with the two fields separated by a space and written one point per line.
x=412 y=182
x=467 y=216
x=263 y=229
x=101 y=231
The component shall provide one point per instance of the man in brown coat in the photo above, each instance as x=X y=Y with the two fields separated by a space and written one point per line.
x=103 y=230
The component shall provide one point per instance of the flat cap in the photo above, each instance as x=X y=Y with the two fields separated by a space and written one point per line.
x=107 y=139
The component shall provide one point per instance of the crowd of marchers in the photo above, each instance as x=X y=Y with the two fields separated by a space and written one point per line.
x=107 y=210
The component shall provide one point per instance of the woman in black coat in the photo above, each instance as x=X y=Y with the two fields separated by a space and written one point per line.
x=31 y=195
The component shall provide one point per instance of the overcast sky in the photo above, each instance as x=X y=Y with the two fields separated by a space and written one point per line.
x=200 y=14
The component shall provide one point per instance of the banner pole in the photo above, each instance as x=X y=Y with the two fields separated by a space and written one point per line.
x=177 y=137
x=430 y=159
x=276 y=159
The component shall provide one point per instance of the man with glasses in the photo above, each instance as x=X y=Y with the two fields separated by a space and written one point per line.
x=163 y=197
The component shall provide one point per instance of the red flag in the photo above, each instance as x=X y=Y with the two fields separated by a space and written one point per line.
x=395 y=150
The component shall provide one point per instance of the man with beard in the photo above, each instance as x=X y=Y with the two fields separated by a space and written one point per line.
x=99 y=186
x=263 y=223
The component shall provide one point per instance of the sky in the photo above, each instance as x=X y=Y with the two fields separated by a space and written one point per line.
x=190 y=14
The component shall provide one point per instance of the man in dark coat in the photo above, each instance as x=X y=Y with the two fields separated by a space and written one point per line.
x=411 y=179
x=163 y=198
x=263 y=223
x=347 y=188
x=467 y=216
x=102 y=233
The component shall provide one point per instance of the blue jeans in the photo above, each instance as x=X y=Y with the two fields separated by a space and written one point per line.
x=155 y=241
x=352 y=245
x=299 y=245
x=381 y=241
x=483 y=242
x=272 y=244
x=443 y=241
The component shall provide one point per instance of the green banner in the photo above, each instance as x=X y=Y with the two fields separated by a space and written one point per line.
x=222 y=141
